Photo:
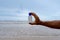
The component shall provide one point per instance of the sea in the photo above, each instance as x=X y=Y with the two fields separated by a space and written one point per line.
x=22 y=30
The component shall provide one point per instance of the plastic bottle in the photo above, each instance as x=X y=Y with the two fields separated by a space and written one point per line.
x=30 y=18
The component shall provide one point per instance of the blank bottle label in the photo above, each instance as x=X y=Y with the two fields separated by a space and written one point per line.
x=30 y=19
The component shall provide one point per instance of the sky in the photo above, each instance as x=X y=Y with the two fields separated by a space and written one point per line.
x=19 y=9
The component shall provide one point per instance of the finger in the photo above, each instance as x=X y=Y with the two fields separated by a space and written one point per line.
x=32 y=23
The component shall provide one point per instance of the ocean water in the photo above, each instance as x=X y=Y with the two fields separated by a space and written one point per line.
x=15 y=29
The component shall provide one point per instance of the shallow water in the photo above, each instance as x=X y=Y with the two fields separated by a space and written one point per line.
x=18 y=29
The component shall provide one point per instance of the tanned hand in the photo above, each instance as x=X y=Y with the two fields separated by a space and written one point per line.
x=52 y=24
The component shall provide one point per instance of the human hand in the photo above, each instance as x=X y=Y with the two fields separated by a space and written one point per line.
x=37 y=20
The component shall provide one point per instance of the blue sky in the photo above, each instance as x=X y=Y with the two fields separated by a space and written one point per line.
x=19 y=9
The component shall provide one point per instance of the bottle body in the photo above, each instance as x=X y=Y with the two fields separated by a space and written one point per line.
x=30 y=18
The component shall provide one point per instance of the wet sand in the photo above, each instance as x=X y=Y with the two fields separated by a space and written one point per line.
x=23 y=31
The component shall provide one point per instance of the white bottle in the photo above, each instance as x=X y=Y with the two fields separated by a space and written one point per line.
x=30 y=18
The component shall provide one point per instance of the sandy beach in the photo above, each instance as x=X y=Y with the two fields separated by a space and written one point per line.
x=18 y=30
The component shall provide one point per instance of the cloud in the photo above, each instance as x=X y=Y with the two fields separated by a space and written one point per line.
x=10 y=3
x=9 y=12
x=13 y=14
x=45 y=9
